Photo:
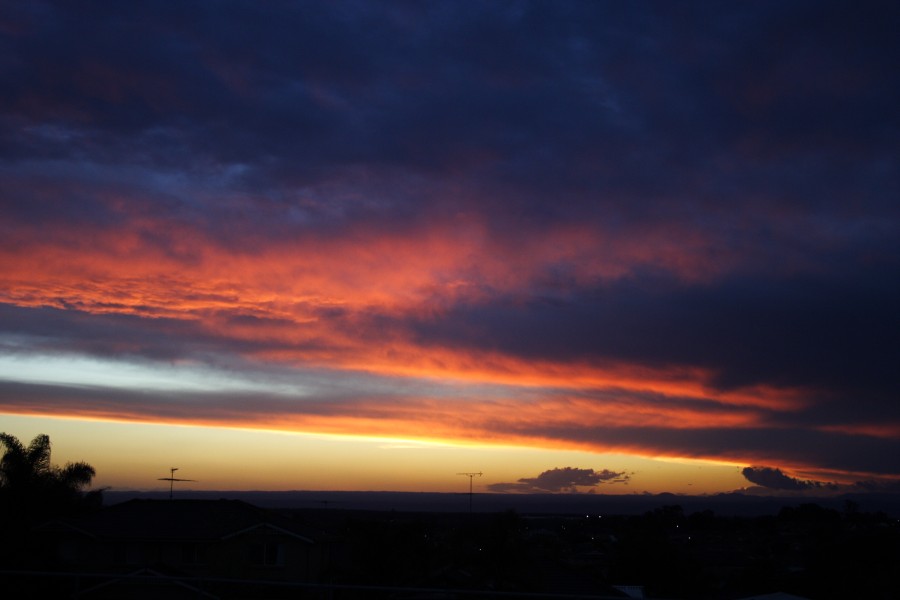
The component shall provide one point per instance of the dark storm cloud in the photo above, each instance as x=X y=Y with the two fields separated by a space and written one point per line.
x=537 y=98
x=805 y=446
x=562 y=479
x=835 y=333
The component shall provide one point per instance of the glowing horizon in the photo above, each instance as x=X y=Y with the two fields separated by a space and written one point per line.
x=408 y=470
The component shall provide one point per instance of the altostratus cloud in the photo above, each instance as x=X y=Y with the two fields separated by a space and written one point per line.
x=562 y=479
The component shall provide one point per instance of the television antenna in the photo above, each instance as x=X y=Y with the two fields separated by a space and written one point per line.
x=471 y=476
x=172 y=479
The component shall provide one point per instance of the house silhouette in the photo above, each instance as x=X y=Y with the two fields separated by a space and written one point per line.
x=149 y=543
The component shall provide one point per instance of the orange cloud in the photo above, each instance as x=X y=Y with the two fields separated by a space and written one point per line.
x=310 y=300
x=160 y=267
x=153 y=268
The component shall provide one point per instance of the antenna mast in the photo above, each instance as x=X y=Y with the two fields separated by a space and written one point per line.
x=471 y=476
x=172 y=479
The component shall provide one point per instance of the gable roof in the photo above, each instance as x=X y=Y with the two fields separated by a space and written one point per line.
x=187 y=520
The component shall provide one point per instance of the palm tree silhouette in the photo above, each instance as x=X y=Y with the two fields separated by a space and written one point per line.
x=29 y=482
x=34 y=491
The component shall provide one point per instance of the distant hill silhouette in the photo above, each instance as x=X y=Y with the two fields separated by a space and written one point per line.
x=722 y=504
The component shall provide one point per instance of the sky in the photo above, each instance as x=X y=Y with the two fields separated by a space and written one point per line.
x=600 y=247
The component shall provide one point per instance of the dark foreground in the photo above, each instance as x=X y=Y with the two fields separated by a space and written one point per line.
x=211 y=548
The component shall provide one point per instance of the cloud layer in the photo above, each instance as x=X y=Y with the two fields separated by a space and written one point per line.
x=662 y=229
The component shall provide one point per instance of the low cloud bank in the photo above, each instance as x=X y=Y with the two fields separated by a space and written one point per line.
x=567 y=479
x=775 y=479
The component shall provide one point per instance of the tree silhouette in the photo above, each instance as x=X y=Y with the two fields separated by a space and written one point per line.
x=34 y=491
x=32 y=487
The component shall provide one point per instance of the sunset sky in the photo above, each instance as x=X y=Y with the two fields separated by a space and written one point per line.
x=611 y=247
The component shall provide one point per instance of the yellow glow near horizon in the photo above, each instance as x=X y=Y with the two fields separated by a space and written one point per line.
x=133 y=456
